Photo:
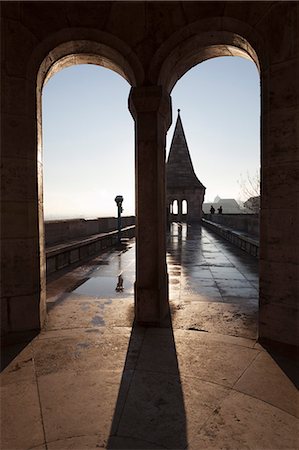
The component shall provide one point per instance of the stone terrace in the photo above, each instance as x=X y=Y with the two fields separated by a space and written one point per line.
x=92 y=379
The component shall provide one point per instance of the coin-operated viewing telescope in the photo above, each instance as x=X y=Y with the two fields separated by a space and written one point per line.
x=119 y=200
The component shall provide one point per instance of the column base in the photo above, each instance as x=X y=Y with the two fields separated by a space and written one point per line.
x=13 y=343
x=281 y=348
x=152 y=306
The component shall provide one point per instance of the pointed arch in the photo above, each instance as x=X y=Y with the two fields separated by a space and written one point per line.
x=184 y=207
x=175 y=207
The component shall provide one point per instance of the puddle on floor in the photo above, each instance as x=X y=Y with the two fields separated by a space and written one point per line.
x=105 y=287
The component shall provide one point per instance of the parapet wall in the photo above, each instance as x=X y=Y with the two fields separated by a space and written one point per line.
x=58 y=231
x=249 y=223
x=66 y=254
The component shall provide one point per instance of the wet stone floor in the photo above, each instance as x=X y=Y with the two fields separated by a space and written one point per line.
x=92 y=379
x=213 y=287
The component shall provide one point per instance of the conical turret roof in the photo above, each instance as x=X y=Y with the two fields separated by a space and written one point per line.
x=179 y=168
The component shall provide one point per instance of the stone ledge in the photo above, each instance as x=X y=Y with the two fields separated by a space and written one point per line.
x=62 y=255
x=245 y=242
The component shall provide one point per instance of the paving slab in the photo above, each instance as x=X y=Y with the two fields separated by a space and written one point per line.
x=21 y=369
x=235 y=319
x=21 y=419
x=212 y=361
x=79 y=311
x=261 y=380
x=196 y=335
x=92 y=442
x=130 y=443
x=238 y=293
x=78 y=404
x=216 y=362
x=243 y=422
x=39 y=447
x=201 y=398
x=155 y=399
x=92 y=351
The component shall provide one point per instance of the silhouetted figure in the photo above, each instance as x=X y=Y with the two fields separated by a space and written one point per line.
x=220 y=210
x=212 y=210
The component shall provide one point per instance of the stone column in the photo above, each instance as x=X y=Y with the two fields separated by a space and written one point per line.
x=23 y=266
x=151 y=109
x=279 y=273
x=180 y=210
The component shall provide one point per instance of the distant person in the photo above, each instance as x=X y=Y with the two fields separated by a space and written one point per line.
x=212 y=210
x=220 y=210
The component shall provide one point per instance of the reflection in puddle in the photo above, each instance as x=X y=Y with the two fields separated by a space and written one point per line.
x=113 y=281
x=104 y=287
x=120 y=282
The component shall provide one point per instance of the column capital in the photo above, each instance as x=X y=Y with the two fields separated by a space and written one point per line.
x=150 y=99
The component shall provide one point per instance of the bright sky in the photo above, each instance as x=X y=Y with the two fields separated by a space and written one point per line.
x=88 y=134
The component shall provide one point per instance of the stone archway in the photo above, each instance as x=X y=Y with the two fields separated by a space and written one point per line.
x=219 y=37
x=153 y=56
x=59 y=50
x=182 y=52
x=203 y=40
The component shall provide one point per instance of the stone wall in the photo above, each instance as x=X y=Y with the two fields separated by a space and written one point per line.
x=58 y=231
x=194 y=198
x=249 y=223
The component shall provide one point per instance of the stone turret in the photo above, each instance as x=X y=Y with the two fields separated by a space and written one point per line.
x=183 y=185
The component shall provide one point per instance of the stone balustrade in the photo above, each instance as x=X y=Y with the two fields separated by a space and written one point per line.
x=58 y=231
x=246 y=242
x=64 y=254
x=248 y=223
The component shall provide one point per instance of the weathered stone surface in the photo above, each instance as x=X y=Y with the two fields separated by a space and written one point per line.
x=260 y=380
x=273 y=316
x=281 y=289
x=277 y=181
x=281 y=35
x=235 y=425
x=17 y=37
x=20 y=258
x=19 y=218
x=41 y=18
x=21 y=424
x=96 y=390
x=277 y=245
x=21 y=369
x=12 y=128
x=281 y=136
x=15 y=99
x=23 y=312
x=244 y=11
x=92 y=442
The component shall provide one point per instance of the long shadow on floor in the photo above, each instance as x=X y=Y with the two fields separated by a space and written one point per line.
x=150 y=410
x=288 y=362
x=11 y=351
